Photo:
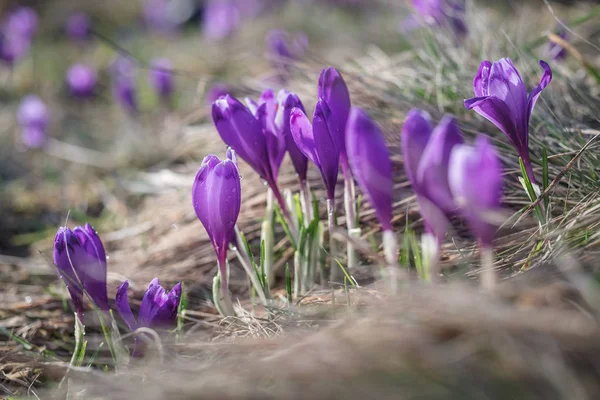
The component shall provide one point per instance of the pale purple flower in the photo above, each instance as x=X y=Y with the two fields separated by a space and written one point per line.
x=317 y=143
x=158 y=309
x=78 y=26
x=33 y=117
x=124 y=86
x=443 y=13
x=502 y=98
x=23 y=21
x=371 y=165
x=221 y=19
x=161 y=78
x=476 y=181
x=555 y=50
x=80 y=259
x=81 y=80
x=216 y=197
x=426 y=154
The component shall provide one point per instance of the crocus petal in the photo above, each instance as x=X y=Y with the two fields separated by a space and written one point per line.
x=93 y=271
x=288 y=101
x=67 y=252
x=149 y=307
x=498 y=113
x=200 y=199
x=333 y=90
x=535 y=93
x=506 y=84
x=303 y=135
x=123 y=308
x=432 y=173
x=240 y=130
x=435 y=220
x=481 y=80
x=370 y=161
x=475 y=178
x=327 y=150
x=161 y=77
x=416 y=132
x=274 y=139
x=166 y=314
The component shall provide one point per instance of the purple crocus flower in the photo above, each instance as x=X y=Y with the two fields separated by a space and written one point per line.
x=371 y=165
x=318 y=143
x=426 y=154
x=78 y=26
x=286 y=102
x=23 y=21
x=216 y=90
x=221 y=19
x=555 y=50
x=161 y=78
x=158 y=308
x=80 y=259
x=475 y=177
x=333 y=90
x=502 y=98
x=283 y=45
x=124 y=84
x=216 y=197
x=34 y=118
x=13 y=48
x=81 y=80
x=443 y=13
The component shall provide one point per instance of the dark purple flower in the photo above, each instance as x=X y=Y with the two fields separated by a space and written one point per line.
x=443 y=13
x=158 y=308
x=317 y=143
x=81 y=80
x=555 y=50
x=475 y=176
x=161 y=77
x=371 y=165
x=502 y=98
x=286 y=102
x=124 y=83
x=81 y=263
x=216 y=197
x=426 y=154
x=221 y=19
x=33 y=117
x=333 y=91
x=13 y=48
x=78 y=26
x=216 y=90
x=23 y=21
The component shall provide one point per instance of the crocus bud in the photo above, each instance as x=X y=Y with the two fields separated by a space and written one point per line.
x=317 y=143
x=221 y=19
x=34 y=117
x=81 y=80
x=157 y=311
x=240 y=130
x=502 y=98
x=216 y=197
x=426 y=154
x=13 y=48
x=23 y=21
x=124 y=92
x=80 y=259
x=161 y=78
x=333 y=91
x=286 y=102
x=78 y=26
x=475 y=176
x=371 y=165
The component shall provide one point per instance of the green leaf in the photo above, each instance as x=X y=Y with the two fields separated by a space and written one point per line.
x=285 y=226
x=288 y=283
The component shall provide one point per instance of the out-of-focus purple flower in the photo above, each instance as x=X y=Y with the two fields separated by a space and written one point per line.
x=157 y=16
x=81 y=80
x=443 y=13
x=13 y=48
x=80 y=259
x=502 y=98
x=158 y=308
x=161 y=77
x=475 y=176
x=333 y=90
x=217 y=197
x=33 y=117
x=124 y=84
x=216 y=90
x=555 y=50
x=283 y=45
x=78 y=26
x=426 y=154
x=23 y=21
x=317 y=142
x=371 y=165
x=221 y=19
x=122 y=65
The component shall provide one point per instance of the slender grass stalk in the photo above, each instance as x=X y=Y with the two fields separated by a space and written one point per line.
x=335 y=271
x=305 y=202
x=488 y=275
x=390 y=252
x=350 y=206
x=284 y=209
x=267 y=237
x=253 y=278
x=297 y=273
